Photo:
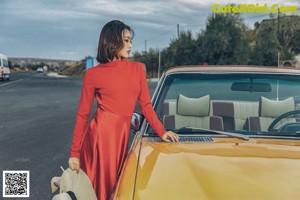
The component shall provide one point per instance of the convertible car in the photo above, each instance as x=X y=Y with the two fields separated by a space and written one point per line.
x=239 y=130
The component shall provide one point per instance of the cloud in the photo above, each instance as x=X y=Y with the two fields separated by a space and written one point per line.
x=225 y=2
x=123 y=8
x=60 y=28
x=68 y=54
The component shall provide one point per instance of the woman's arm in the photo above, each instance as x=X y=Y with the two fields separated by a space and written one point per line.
x=148 y=111
x=83 y=112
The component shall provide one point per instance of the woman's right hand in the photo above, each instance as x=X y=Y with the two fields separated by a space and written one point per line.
x=170 y=136
x=74 y=164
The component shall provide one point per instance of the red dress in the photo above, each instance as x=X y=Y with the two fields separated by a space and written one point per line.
x=101 y=145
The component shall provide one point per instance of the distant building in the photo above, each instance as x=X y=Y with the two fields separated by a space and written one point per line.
x=51 y=63
x=90 y=62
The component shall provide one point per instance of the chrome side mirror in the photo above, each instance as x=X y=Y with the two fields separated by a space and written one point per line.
x=136 y=121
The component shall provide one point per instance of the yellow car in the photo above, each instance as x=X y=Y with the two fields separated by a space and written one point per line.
x=239 y=130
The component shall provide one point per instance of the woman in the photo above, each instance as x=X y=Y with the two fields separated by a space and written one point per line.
x=100 y=148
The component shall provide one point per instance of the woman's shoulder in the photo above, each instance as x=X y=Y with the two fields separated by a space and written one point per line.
x=117 y=63
x=92 y=70
x=96 y=68
x=138 y=64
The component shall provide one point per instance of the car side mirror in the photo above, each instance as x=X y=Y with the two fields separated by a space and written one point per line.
x=136 y=121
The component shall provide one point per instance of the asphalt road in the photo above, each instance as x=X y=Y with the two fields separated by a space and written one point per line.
x=37 y=115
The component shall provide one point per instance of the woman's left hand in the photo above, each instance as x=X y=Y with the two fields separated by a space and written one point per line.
x=170 y=136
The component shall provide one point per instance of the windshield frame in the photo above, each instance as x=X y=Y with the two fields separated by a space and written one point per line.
x=162 y=88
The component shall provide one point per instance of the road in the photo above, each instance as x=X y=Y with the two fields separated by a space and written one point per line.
x=37 y=115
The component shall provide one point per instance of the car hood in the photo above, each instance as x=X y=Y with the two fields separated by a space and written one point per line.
x=227 y=168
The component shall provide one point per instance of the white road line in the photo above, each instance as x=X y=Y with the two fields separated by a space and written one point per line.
x=11 y=82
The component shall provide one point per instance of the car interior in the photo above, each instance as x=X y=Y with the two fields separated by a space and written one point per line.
x=225 y=115
x=242 y=104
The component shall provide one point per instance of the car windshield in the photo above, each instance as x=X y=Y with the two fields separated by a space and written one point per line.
x=245 y=103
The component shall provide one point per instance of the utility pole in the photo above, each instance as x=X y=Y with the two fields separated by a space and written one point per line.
x=278 y=24
x=158 y=74
x=278 y=61
x=152 y=62
x=278 y=38
x=145 y=45
x=177 y=30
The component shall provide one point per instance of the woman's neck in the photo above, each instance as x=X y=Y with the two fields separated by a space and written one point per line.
x=120 y=58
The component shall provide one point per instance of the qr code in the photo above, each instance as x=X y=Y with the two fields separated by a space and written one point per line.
x=15 y=183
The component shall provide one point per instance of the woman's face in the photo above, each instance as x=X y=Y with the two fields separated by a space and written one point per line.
x=125 y=51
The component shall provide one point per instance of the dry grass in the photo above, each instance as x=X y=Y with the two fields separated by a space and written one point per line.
x=77 y=69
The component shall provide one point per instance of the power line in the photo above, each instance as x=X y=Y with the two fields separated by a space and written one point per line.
x=253 y=17
x=161 y=34
x=153 y=38
x=197 y=25
x=193 y=25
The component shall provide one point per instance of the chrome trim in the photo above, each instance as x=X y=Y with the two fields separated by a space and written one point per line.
x=274 y=137
x=184 y=139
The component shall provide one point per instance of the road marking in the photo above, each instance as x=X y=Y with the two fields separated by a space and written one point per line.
x=11 y=82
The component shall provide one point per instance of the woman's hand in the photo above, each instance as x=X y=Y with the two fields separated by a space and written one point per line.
x=170 y=136
x=74 y=164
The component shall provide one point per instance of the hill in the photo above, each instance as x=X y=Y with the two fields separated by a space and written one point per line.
x=75 y=69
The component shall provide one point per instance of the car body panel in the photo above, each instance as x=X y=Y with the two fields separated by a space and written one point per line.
x=223 y=169
x=127 y=177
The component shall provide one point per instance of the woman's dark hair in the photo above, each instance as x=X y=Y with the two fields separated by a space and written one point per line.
x=111 y=40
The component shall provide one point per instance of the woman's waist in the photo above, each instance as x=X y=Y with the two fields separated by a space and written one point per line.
x=121 y=114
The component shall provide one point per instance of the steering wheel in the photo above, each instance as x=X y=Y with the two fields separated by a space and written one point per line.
x=280 y=117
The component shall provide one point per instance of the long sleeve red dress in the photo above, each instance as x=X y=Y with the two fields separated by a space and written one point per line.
x=101 y=144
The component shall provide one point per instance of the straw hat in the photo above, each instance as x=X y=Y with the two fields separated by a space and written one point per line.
x=75 y=186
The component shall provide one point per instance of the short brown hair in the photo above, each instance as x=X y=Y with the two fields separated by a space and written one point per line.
x=111 y=40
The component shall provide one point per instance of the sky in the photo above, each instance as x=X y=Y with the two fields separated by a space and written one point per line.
x=69 y=29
